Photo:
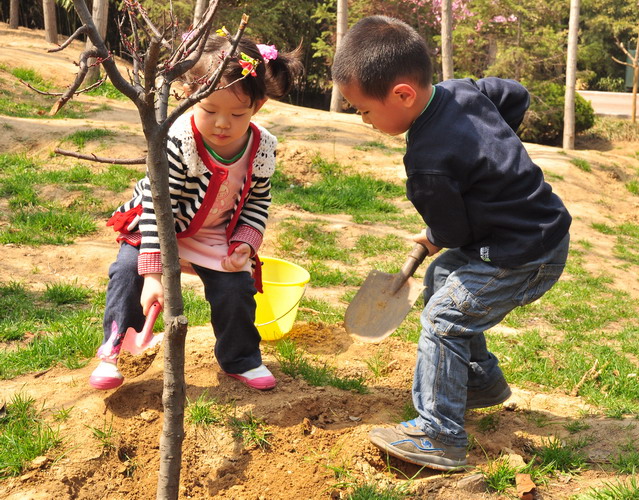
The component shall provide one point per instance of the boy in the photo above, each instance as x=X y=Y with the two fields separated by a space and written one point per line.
x=482 y=197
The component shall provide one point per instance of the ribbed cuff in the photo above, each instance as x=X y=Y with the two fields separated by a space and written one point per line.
x=150 y=263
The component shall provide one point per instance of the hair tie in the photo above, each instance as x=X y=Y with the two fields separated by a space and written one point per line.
x=269 y=52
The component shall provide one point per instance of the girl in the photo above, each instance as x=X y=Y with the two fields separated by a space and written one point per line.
x=220 y=164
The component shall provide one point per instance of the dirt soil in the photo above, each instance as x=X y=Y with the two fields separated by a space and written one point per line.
x=314 y=430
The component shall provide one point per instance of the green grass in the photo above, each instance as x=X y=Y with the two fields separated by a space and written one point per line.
x=81 y=137
x=32 y=220
x=633 y=187
x=294 y=363
x=32 y=77
x=62 y=325
x=336 y=192
x=581 y=321
x=105 y=435
x=613 y=130
x=251 y=430
x=626 y=246
x=560 y=457
x=379 y=146
x=19 y=101
x=24 y=435
x=206 y=411
x=311 y=241
x=374 y=491
x=581 y=164
x=616 y=490
x=109 y=91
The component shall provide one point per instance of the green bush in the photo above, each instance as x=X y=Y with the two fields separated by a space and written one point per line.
x=610 y=84
x=544 y=121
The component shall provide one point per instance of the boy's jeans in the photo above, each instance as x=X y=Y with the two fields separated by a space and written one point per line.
x=465 y=297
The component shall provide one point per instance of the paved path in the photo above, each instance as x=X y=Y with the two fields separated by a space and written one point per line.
x=617 y=104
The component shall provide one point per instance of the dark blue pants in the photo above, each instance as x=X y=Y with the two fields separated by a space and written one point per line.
x=230 y=295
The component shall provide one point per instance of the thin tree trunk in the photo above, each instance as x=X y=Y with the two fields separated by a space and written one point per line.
x=100 y=16
x=571 y=71
x=342 y=26
x=200 y=7
x=50 y=23
x=447 y=40
x=174 y=392
x=14 y=14
x=635 y=81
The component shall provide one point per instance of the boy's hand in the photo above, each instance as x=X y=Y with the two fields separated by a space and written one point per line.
x=152 y=291
x=238 y=259
x=422 y=239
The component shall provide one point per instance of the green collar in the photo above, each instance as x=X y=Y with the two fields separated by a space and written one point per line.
x=226 y=161
x=423 y=110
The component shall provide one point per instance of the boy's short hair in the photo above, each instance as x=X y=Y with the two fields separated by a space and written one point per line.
x=377 y=51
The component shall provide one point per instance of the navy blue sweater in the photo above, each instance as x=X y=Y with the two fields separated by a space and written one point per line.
x=471 y=179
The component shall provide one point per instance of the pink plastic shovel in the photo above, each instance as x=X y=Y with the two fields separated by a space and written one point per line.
x=137 y=342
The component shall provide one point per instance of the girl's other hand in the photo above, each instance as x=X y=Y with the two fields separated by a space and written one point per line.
x=238 y=259
x=152 y=291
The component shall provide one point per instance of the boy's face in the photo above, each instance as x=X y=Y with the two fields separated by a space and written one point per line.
x=391 y=116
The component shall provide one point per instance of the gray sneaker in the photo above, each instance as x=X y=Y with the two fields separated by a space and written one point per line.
x=411 y=444
x=496 y=394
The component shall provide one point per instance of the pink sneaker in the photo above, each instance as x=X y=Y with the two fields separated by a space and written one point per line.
x=257 y=378
x=106 y=376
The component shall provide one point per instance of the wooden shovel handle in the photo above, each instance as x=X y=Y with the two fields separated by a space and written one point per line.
x=413 y=261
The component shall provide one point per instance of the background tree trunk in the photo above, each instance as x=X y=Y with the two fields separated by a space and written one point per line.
x=200 y=7
x=14 y=9
x=447 y=40
x=100 y=16
x=342 y=26
x=50 y=22
x=571 y=72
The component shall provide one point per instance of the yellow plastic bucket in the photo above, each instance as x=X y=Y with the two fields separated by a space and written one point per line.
x=284 y=284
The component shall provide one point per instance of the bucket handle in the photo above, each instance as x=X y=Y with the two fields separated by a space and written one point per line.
x=293 y=307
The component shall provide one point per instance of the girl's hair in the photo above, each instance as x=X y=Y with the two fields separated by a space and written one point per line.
x=377 y=51
x=274 y=77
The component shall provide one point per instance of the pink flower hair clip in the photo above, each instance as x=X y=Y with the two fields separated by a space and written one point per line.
x=269 y=52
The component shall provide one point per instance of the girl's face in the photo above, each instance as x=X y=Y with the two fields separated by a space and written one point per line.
x=223 y=120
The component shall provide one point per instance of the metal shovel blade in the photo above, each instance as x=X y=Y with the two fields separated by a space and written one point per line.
x=384 y=300
x=137 y=342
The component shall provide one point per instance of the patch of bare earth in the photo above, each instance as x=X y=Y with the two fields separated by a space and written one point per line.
x=313 y=430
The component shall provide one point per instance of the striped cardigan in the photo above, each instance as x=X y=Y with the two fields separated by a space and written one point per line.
x=194 y=182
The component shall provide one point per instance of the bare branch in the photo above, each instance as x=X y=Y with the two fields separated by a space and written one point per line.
x=191 y=48
x=211 y=85
x=100 y=159
x=109 y=65
x=79 y=78
x=77 y=92
x=621 y=62
x=82 y=30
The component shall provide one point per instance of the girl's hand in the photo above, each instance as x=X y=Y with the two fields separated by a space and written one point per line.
x=238 y=259
x=152 y=291
x=422 y=239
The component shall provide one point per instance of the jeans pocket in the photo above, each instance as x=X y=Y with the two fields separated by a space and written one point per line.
x=538 y=283
x=456 y=311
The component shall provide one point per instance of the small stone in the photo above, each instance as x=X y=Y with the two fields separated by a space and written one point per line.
x=475 y=483
x=39 y=462
x=149 y=415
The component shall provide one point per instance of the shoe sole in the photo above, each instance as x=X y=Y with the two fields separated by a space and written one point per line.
x=255 y=383
x=105 y=383
x=506 y=393
x=430 y=461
